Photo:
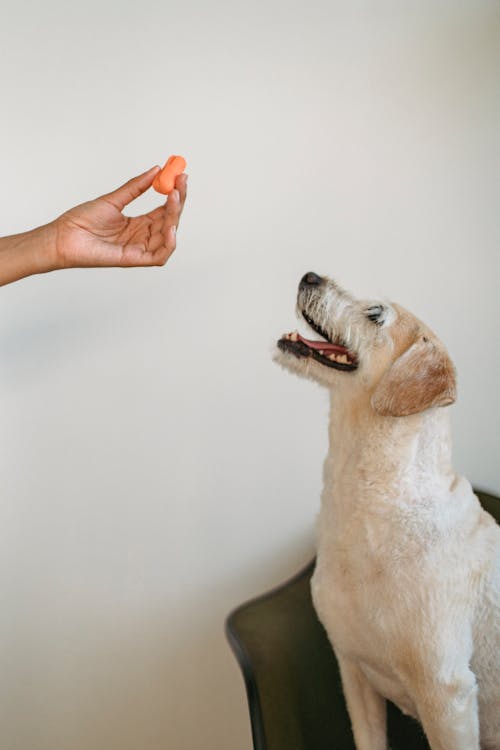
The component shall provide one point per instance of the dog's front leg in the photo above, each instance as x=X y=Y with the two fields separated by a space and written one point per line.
x=449 y=714
x=367 y=709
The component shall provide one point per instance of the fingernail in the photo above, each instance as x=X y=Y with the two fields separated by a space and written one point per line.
x=174 y=230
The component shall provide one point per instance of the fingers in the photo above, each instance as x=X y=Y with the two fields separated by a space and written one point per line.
x=155 y=239
x=163 y=231
x=132 y=189
x=181 y=186
x=163 y=246
x=159 y=249
x=161 y=240
x=173 y=209
x=164 y=218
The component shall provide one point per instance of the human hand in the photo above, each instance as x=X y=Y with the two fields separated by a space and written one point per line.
x=97 y=233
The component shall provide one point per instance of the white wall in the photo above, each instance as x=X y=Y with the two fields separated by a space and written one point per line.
x=156 y=467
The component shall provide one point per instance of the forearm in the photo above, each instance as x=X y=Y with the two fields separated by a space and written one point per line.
x=27 y=253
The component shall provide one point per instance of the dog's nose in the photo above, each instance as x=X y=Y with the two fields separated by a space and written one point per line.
x=310 y=279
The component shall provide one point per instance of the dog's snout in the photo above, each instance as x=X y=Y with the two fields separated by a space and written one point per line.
x=310 y=279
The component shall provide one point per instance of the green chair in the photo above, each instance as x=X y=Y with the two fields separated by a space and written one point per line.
x=291 y=675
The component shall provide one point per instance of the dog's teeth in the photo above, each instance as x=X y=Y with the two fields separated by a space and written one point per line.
x=321 y=351
x=294 y=336
x=340 y=358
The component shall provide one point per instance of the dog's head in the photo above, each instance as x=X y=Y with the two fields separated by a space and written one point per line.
x=376 y=350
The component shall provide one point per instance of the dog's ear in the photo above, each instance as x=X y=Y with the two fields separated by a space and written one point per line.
x=423 y=376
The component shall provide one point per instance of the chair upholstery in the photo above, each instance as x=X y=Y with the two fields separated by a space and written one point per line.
x=291 y=675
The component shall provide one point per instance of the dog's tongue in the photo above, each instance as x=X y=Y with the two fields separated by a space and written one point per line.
x=325 y=346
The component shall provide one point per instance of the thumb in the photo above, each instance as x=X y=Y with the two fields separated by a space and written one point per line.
x=132 y=189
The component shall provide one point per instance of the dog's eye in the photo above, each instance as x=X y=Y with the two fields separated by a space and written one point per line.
x=375 y=313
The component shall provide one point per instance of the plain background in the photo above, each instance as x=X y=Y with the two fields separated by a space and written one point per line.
x=157 y=468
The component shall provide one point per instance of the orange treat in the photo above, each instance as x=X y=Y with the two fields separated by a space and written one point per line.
x=164 y=181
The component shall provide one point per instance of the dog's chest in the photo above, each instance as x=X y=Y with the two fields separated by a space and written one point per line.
x=355 y=597
x=364 y=585
x=351 y=595
x=353 y=606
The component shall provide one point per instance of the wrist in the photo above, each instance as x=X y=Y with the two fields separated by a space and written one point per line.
x=27 y=253
x=44 y=241
x=39 y=246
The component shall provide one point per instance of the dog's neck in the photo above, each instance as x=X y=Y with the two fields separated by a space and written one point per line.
x=385 y=457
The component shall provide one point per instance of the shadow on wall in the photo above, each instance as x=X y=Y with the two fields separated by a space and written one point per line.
x=154 y=681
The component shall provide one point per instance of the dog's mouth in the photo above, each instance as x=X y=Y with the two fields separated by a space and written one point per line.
x=326 y=352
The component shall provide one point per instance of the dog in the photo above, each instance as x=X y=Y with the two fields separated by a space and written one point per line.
x=407 y=577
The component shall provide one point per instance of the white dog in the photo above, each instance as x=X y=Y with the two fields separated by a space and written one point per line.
x=407 y=580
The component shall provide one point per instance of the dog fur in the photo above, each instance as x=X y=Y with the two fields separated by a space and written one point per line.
x=407 y=580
